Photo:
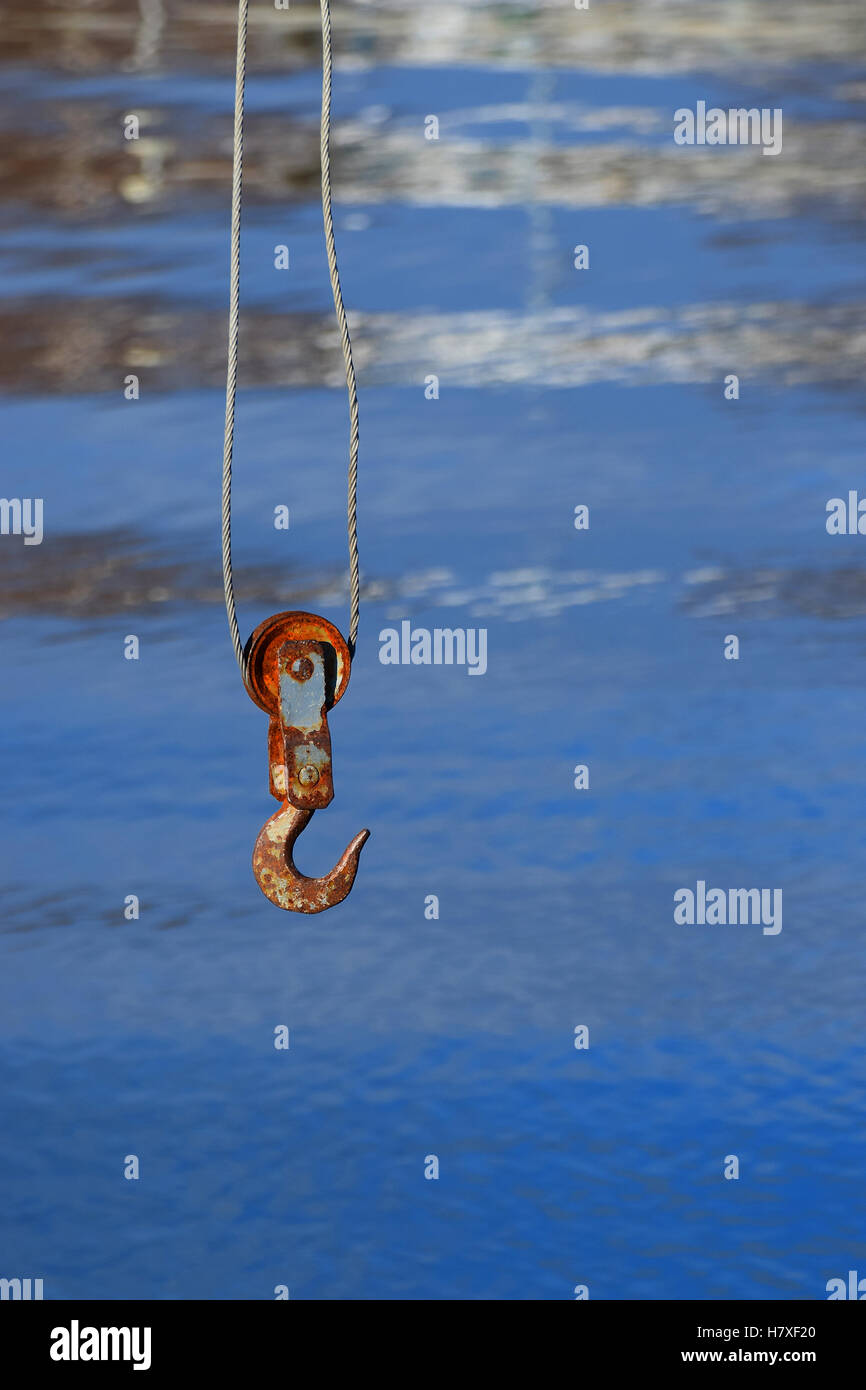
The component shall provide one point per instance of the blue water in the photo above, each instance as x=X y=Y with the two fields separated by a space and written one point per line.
x=451 y=1037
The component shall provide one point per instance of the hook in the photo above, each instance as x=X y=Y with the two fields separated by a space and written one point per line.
x=297 y=668
x=280 y=881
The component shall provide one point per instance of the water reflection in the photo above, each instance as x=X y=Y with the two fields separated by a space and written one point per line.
x=82 y=346
x=629 y=36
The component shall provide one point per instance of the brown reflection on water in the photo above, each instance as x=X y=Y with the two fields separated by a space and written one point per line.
x=622 y=35
x=79 y=346
x=71 y=158
x=66 y=158
x=101 y=573
x=769 y=593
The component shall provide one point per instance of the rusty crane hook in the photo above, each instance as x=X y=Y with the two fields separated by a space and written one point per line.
x=275 y=870
x=297 y=669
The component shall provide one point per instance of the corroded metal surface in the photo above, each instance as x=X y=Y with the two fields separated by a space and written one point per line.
x=281 y=882
x=262 y=656
x=303 y=723
x=297 y=669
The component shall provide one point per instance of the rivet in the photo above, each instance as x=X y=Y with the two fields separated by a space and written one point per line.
x=302 y=668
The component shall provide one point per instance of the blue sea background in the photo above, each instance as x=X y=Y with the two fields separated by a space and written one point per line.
x=451 y=1037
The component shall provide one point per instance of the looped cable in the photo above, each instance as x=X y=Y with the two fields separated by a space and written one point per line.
x=234 y=305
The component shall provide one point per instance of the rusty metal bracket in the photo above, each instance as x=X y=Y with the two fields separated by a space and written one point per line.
x=300 y=736
x=297 y=668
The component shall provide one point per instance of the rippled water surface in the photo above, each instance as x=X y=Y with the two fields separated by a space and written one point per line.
x=451 y=1037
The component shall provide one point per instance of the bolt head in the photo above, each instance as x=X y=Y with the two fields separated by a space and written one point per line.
x=301 y=668
x=308 y=775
